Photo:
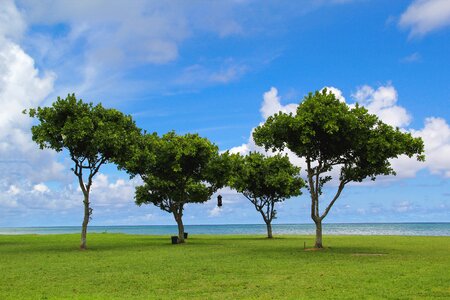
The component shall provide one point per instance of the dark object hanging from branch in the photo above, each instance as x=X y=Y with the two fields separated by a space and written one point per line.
x=219 y=201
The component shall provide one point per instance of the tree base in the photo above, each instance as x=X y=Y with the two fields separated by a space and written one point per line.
x=315 y=249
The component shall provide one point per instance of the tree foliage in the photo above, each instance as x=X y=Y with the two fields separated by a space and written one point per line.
x=177 y=170
x=264 y=181
x=93 y=136
x=329 y=134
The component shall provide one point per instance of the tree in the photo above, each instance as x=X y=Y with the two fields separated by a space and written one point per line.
x=265 y=181
x=329 y=135
x=177 y=170
x=93 y=136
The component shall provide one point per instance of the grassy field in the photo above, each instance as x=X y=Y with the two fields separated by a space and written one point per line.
x=223 y=267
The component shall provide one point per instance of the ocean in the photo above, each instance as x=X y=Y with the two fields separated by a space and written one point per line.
x=420 y=229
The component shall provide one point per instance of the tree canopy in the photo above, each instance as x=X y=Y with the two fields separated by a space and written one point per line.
x=329 y=134
x=93 y=136
x=177 y=169
x=265 y=181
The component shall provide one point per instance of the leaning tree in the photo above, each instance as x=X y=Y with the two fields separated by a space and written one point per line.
x=177 y=170
x=264 y=181
x=92 y=135
x=328 y=135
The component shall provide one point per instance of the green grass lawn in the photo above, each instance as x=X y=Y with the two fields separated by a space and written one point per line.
x=118 y=266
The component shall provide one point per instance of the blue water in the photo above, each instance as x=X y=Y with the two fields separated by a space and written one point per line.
x=423 y=229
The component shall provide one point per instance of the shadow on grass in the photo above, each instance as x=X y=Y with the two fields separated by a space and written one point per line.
x=258 y=245
x=70 y=243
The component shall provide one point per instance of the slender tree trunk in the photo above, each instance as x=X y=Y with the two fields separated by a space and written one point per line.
x=269 y=230
x=179 y=219
x=318 y=243
x=87 y=213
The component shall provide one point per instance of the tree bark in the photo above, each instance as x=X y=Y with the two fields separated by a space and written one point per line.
x=269 y=230
x=87 y=213
x=179 y=219
x=318 y=243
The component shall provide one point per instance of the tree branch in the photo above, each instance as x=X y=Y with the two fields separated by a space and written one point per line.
x=338 y=193
x=317 y=191
x=311 y=188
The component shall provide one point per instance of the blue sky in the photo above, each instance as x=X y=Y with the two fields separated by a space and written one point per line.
x=220 y=68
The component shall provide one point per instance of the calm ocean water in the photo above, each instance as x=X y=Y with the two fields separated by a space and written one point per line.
x=425 y=229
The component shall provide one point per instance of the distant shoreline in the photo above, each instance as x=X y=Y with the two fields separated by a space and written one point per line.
x=402 y=229
x=231 y=224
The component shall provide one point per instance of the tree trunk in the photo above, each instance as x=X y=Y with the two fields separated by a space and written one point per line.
x=87 y=213
x=318 y=243
x=269 y=230
x=178 y=218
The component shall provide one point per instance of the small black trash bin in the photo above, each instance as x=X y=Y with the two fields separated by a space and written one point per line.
x=174 y=239
x=185 y=235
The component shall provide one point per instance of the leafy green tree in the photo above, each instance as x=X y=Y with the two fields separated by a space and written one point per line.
x=265 y=181
x=329 y=134
x=177 y=170
x=93 y=136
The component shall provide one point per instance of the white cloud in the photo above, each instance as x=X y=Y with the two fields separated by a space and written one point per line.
x=13 y=190
x=25 y=197
x=337 y=92
x=118 y=193
x=436 y=137
x=214 y=212
x=21 y=87
x=23 y=166
x=403 y=206
x=382 y=102
x=272 y=105
x=106 y=196
x=119 y=31
x=232 y=202
x=99 y=40
x=12 y=25
x=242 y=149
x=424 y=16
x=41 y=188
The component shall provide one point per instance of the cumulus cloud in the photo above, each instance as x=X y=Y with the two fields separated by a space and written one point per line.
x=382 y=102
x=424 y=16
x=41 y=188
x=337 y=93
x=22 y=86
x=12 y=24
x=436 y=137
x=24 y=199
x=272 y=105
x=23 y=166
x=214 y=212
x=118 y=193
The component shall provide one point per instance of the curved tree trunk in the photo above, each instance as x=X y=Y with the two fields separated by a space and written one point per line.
x=87 y=213
x=318 y=243
x=269 y=230
x=179 y=219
